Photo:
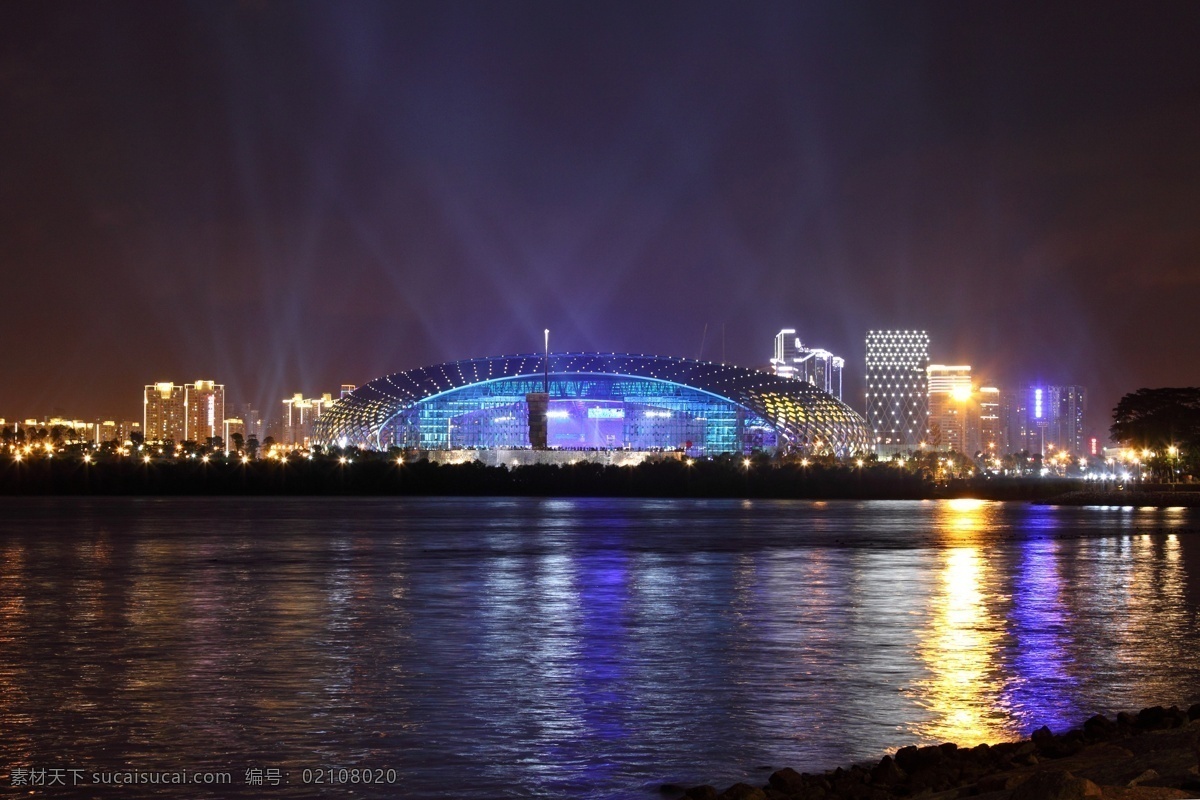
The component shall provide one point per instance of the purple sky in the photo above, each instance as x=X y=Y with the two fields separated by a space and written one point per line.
x=285 y=196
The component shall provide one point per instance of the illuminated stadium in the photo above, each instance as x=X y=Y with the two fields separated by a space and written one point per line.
x=597 y=402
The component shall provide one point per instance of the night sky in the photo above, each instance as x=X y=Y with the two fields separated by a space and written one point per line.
x=288 y=196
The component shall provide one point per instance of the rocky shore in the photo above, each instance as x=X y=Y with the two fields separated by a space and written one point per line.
x=1151 y=755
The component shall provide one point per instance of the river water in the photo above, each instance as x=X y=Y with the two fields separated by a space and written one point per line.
x=495 y=648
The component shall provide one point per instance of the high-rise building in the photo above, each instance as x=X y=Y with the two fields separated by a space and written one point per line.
x=164 y=412
x=253 y=420
x=1072 y=414
x=1014 y=421
x=1056 y=419
x=993 y=438
x=786 y=345
x=347 y=388
x=233 y=426
x=119 y=431
x=897 y=389
x=205 y=401
x=183 y=412
x=950 y=406
x=819 y=367
x=299 y=414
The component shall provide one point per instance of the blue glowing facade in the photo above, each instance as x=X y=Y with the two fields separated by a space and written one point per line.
x=597 y=401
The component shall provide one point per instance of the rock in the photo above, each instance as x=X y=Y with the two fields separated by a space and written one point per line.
x=1126 y=720
x=672 y=788
x=1055 y=784
x=1193 y=711
x=1062 y=746
x=926 y=757
x=1042 y=735
x=1099 y=728
x=971 y=772
x=1144 y=793
x=1154 y=718
x=905 y=755
x=887 y=772
x=787 y=780
x=1148 y=775
x=1002 y=782
x=742 y=791
x=701 y=793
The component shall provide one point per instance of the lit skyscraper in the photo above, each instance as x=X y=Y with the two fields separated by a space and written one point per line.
x=299 y=415
x=232 y=427
x=1056 y=418
x=1071 y=409
x=949 y=406
x=164 y=412
x=993 y=436
x=898 y=389
x=784 y=362
x=183 y=412
x=205 y=402
x=813 y=365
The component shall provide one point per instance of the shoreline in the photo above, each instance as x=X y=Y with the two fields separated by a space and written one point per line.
x=1151 y=755
x=719 y=478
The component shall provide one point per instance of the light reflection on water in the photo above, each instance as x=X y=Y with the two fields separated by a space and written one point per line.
x=572 y=648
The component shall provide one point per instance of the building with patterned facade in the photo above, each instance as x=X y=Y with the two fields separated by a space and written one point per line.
x=600 y=402
x=898 y=389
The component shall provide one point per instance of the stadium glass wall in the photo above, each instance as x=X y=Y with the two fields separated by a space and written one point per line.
x=597 y=401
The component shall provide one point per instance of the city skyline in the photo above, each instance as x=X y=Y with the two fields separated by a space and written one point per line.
x=299 y=196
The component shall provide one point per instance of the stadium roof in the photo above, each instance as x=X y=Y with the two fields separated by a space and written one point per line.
x=804 y=417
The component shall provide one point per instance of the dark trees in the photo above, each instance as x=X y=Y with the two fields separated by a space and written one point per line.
x=1160 y=419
